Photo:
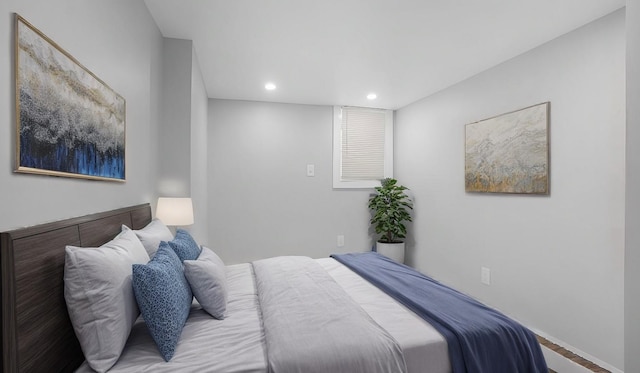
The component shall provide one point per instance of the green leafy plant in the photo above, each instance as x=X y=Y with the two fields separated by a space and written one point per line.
x=390 y=210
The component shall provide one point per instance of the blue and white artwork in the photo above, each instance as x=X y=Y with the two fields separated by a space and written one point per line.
x=70 y=123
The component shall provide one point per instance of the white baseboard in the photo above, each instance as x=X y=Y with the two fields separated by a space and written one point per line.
x=561 y=364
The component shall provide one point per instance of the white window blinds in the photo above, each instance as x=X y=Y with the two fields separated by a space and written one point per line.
x=363 y=140
x=362 y=146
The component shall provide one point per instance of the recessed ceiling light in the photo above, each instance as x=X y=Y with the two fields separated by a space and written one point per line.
x=269 y=86
x=372 y=96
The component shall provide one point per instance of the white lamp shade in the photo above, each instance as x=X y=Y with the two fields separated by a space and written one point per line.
x=175 y=211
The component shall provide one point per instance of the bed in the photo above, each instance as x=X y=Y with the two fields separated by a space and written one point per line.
x=38 y=335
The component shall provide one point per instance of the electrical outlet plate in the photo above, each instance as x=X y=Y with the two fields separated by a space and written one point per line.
x=485 y=275
x=340 y=241
x=311 y=170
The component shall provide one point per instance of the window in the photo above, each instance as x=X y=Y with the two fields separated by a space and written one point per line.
x=362 y=146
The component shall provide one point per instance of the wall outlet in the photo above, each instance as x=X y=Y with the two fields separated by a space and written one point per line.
x=311 y=170
x=485 y=275
x=340 y=241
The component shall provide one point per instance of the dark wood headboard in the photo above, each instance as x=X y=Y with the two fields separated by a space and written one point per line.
x=37 y=335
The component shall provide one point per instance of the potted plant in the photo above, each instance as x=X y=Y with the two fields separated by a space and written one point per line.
x=390 y=208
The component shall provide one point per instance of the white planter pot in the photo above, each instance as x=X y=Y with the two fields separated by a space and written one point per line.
x=393 y=251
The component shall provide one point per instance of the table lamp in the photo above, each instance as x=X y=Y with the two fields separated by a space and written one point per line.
x=175 y=211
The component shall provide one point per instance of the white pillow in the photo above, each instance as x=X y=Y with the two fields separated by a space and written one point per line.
x=100 y=298
x=152 y=234
x=207 y=277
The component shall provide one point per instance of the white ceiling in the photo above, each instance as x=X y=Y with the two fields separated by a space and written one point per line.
x=335 y=52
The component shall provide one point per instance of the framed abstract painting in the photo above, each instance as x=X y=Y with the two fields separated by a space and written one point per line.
x=509 y=153
x=69 y=122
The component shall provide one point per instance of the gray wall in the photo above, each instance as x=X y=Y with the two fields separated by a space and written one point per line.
x=261 y=203
x=182 y=152
x=632 y=233
x=556 y=261
x=118 y=41
x=174 y=175
x=199 y=128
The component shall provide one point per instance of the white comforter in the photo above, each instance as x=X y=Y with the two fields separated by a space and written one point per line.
x=311 y=324
x=237 y=344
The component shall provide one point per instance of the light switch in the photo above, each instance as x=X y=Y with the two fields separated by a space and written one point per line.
x=340 y=241
x=311 y=170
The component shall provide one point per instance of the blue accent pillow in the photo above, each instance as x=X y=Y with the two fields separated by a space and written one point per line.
x=185 y=246
x=164 y=298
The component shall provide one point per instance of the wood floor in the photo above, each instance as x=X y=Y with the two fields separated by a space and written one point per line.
x=571 y=356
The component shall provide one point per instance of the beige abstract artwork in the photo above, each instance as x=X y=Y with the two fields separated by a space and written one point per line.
x=509 y=153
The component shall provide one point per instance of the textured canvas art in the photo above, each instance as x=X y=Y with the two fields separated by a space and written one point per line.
x=70 y=123
x=509 y=153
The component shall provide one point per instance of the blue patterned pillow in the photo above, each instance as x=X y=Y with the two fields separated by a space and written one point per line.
x=164 y=298
x=185 y=246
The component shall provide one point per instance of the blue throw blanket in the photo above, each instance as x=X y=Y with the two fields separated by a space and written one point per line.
x=480 y=339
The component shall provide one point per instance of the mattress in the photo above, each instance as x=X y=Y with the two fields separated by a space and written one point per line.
x=236 y=344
